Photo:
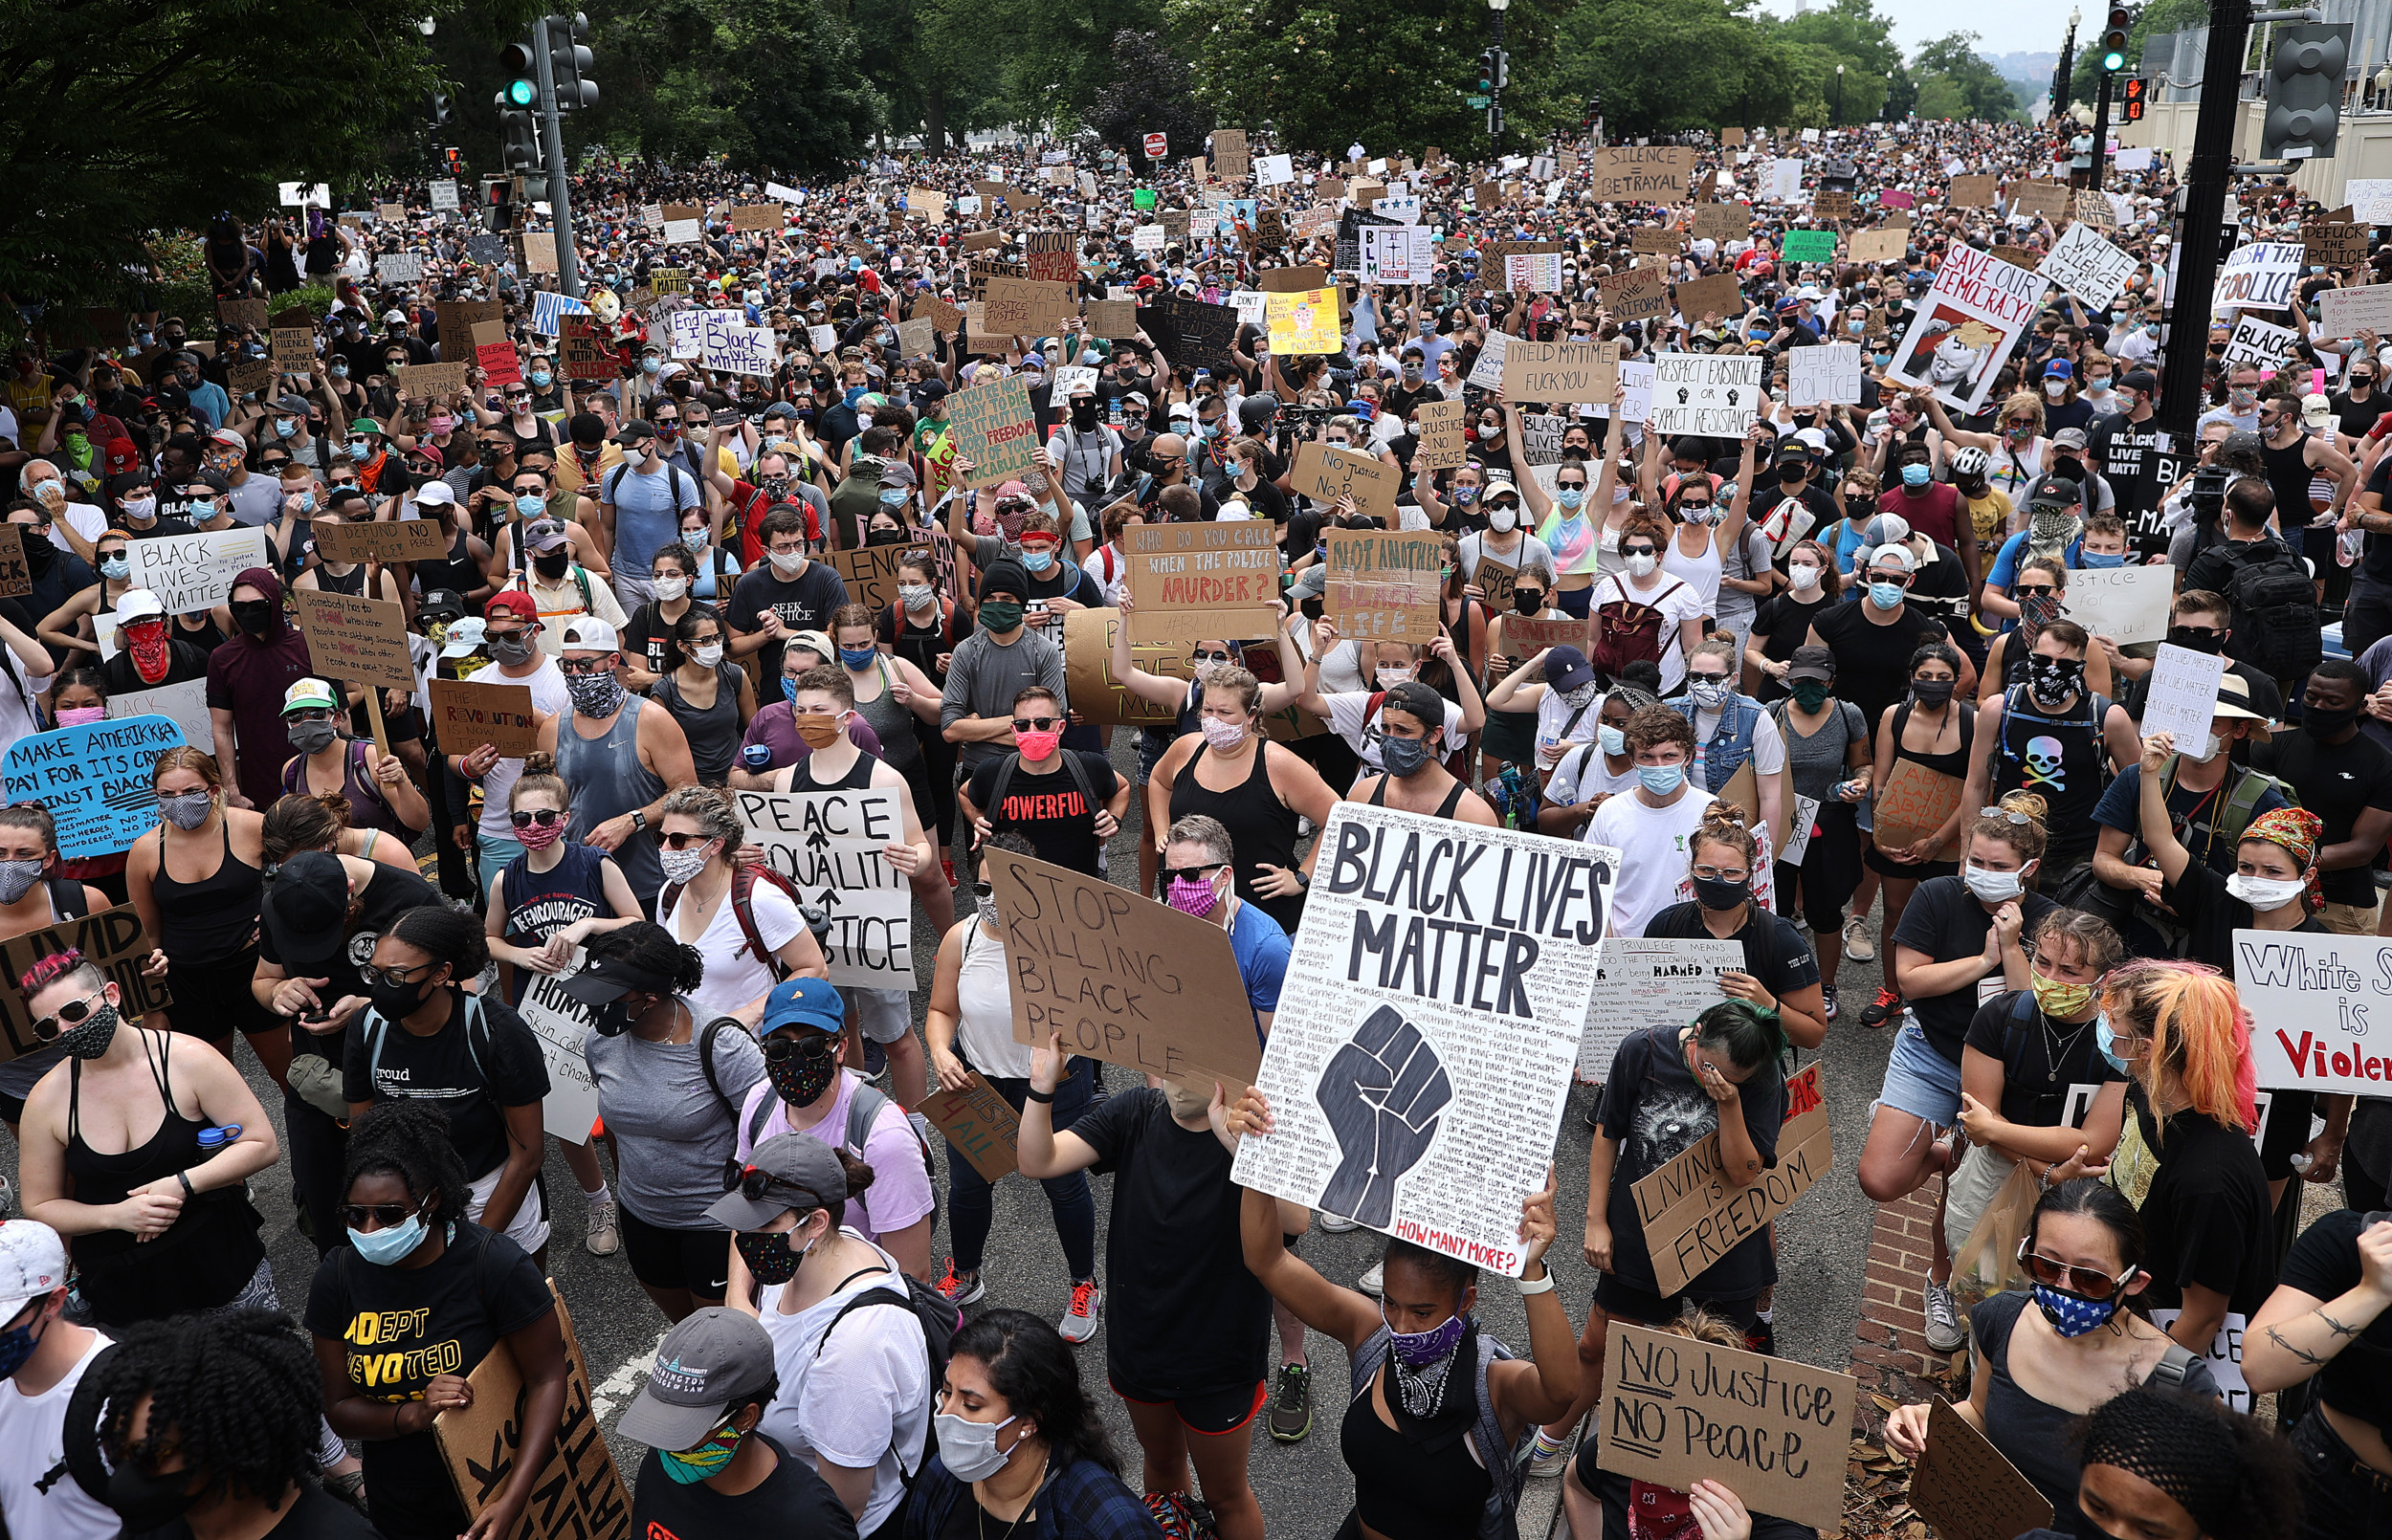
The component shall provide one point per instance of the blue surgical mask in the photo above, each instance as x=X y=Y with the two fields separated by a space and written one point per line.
x=1661 y=779
x=1038 y=561
x=1886 y=595
x=284 y=427
x=1570 y=497
x=2107 y=1042
x=542 y=377
x=391 y=1246
x=650 y=365
x=1612 y=739
x=1881 y=359
x=529 y=503
x=1917 y=475
x=115 y=567
x=2103 y=559
x=893 y=497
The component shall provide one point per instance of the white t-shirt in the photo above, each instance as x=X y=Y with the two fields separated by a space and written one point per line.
x=1116 y=586
x=1652 y=842
x=1554 y=716
x=1678 y=603
x=732 y=981
x=865 y=1400
x=548 y=694
x=32 y=1444
x=84 y=518
x=1349 y=716
x=1583 y=773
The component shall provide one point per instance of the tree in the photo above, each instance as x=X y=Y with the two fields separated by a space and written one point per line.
x=2155 y=20
x=127 y=120
x=1662 y=66
x=1151 y=92
x=1984 y=95
x=771 y=85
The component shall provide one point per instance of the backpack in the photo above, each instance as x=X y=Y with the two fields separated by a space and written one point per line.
x=1071 y=762
x=1632 y=632
x=939 y=1320
x=378 y=1029
x=863 y=1109
x=743 y=875
x=706 y=1059
x=2273 y=613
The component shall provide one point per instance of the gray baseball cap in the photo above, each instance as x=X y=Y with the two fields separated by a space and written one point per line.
x=714 y=1361
x=788 y=1171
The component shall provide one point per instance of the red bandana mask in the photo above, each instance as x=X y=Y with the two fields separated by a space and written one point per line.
x=1659 y=1513
x=147 y=641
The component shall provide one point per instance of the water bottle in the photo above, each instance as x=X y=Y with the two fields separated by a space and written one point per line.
x=212 y=1139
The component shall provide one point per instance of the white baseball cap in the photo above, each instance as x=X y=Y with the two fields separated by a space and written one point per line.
x=137 y=604
x=434 y=493
x=587 y=633
x=33 y=1263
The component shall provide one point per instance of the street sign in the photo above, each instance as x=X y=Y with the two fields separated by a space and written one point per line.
x=1157 y=146
x=1475 y=102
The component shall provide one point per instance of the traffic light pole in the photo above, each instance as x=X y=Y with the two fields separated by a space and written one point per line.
x=1494 y=92
x=552 y=135
x=2102 y=130
x=2200 y=215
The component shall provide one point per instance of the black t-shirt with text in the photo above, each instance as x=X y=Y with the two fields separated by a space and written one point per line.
x=1049 y=809
x=804 y=605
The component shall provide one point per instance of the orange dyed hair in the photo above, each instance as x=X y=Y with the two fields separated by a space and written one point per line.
x=2200 y=1035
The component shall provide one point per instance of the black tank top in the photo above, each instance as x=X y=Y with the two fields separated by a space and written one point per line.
x=352 y=583
x=455 y=572
x=2289 y=474
x=213 y=919
x=859 y=777
x=207 y=635
x=1404 y=1490
x=1261 y=827
x=1955 y=762
x=203 y=1260
x=1378 y=796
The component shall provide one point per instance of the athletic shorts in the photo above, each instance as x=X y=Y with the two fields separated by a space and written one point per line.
x=698 y=1260
x=1211 y=1412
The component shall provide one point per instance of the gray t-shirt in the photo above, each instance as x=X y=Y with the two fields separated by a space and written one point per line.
x=985 y=677
x=672 y=1132
x=1818 y=762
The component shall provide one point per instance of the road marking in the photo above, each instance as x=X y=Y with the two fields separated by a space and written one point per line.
x=626 y=1380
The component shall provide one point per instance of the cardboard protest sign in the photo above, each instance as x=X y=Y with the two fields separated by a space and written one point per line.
x=1190 y=332
x=1721 y=221
x=828 y=845
x=14 y=578
x=1325 y=473
x=2349 y=312
x=1710 y=395
x=432 y=381
x=1831 y=203
x=1824 y=375
x=1113 y=320
x=110 y=939
x=1966 y=327
x=981 y=1124
x=2182 y=698
x=1121 y=978
x=1641 y=984
x=991 y=426
x=2334 y=245
x=248 y=377
x=1970 y=192
x=941 y=315
x=1654 y=173
x=1876 y=245
x=94 y=779
x=185 y=705
x=580 y=1494
x=468 y=716
x=1656 y=238
x=1053 y=256
x=1444 y=428
x=248 y=312
x=582 y=349
x=916 y=339
x=2258 y=276
x=293 y=347
x=193 y=572
x=1913 y=805
x=1639 y=293
x=2260 y=342
x=1229 y=158
x=1193 y=581
x=539 y=248
x=358 y=639
x=403 y=539
x=1964 y=1487
x=1560 y=371
x=2039 y=199
x=871 y=574
x=2126 y=604
x=1088 y=671
x=1524 y=636
x=1693 y=1218
x=756 y=216
x=1423 y=1101
x=1384 y=586
x=1717 y=295
x=1774 y=1432
x=2088 y=266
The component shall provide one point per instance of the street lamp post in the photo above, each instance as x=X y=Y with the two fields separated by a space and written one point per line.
x=1495 y=89
x=1839 y=97
x=2060 y=77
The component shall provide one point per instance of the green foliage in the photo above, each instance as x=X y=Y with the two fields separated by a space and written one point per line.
x=124 y=122
x=1666 y=65
x=1970 y=87
x=1150 y=91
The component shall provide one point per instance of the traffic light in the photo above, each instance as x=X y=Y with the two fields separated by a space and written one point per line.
x=1486 y=70
x=498 y=204
x=1502 y=67
x=568 y=58
x=2137 y=97
x=456 y=158
x=518 y=135
x=1594 y=110
x=2304 y=90
x=436 y=108
x=2113 y=39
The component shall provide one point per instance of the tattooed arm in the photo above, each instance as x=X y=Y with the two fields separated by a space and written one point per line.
x=2295 y=1334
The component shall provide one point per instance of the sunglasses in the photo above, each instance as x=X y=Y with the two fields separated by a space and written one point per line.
x=679 y=840
x=74 y=1013
x=1706 y=678
x=545 y=817
x=1035 y=724
x=1636 y=550
x=2089 y=1282
x=1192 y=873
x=386 y=1215
x=311 y=714
x=2007 y=814
x=596 y=664
x=752 y=1183
x=1200 y=655
x=819 y=1046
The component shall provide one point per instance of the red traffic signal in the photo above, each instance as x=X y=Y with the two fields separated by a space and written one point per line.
x=2137 y=97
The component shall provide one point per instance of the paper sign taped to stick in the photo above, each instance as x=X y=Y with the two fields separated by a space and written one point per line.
x=1642 y=982
x=357 y=640
x=466 y=715
x=1121 y=978
x=1676 y=1411
x=1418 y=1090
x=1384 y=586
x=991 y=426
x=1325 y=473
x=979 y=1123
x=828 y=845
x=110 y=939
x=191 y=573
x=1913 y=805
x=94 y=779
x=2123 y=603
x=402 y=539
x=1964 y=1487
x=580 y=1494
x=1192 y=580
x=2183 y=697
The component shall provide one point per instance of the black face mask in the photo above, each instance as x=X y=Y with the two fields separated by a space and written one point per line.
x=885 y=537
x=147 y=1502
x=396 y=1000
x=2319 y=723
x=1312 y=607
x=551 y=566
x=1933 y=694
x=1720 y=894
x=39 y=551
x=2196 y=639
x=253 y=615
x=1528 y=601
x=1083 y=415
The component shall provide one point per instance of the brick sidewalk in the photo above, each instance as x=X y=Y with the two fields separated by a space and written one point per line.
x=1889 y=1353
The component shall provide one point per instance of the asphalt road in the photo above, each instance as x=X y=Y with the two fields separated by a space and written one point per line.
x=1304 y=1488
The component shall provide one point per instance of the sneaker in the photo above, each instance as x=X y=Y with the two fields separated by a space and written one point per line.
x=1292 y=1407
x=1885 y=1008
x=1944 y=1332
x=1080 y=1320
x=604 y=1240
x=948 y=867
x=1856 y=943
x=1762 y=1338
x=1826 y=1001
x=1336 y=1224
x=959 y=1290
x=1371 y=1282
x=1550 y=1459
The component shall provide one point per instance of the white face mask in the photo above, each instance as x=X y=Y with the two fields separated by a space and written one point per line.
x=1994 y=886
x=1502 y=520
x=671 y=588
x=1805 y=576
x=2264 y=893
x=2055 y=388
x=1640 y=567
x=787 y=563
x=708 y=656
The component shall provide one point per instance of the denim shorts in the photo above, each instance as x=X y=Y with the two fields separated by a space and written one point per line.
x=1921 y=1081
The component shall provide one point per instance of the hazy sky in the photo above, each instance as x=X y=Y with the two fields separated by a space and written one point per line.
x=2021 y=26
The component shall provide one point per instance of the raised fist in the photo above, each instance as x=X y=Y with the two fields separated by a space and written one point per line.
x=1383 y=1093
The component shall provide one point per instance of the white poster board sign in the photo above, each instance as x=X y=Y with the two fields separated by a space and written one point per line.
x=562 y=1025
x=2318 y=1006
x=1273 y=170
x=1487 y=374
x=829 y=843
x=2258 y=276
x=190 y=573
x=2184 y=696
x=1637 y=400
x=1644 y=982
x=2088 y=266
x=185 y=705
x=1967 y=326
x=2370 y=199
x=2260 y=342
x=1423 y=1101
x=1824 y=375
x=1710 y=395
x=2123 y=603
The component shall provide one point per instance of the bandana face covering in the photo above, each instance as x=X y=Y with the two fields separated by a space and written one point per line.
x=595 y=695
x=147 y=641
x=2072 y=1315
x=2053 y=679
x=1421 y=1349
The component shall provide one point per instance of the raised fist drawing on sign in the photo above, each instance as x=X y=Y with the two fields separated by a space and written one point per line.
x=1383 y=1093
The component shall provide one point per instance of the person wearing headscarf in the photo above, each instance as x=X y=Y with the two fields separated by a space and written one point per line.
x=2164 y=1465
x=247 y=679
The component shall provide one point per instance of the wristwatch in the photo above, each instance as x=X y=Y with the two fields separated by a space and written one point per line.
x=639 y=819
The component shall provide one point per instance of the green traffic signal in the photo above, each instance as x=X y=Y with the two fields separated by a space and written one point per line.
x=521 y=93
x=2114 y=62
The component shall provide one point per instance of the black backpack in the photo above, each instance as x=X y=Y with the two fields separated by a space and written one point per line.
x=939 y=1319
x=2273 y=611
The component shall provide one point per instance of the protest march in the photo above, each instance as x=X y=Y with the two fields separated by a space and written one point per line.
x=1313 y=725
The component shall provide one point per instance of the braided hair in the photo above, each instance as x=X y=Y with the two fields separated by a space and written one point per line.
x=410 y=1140
x=236 y=1393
